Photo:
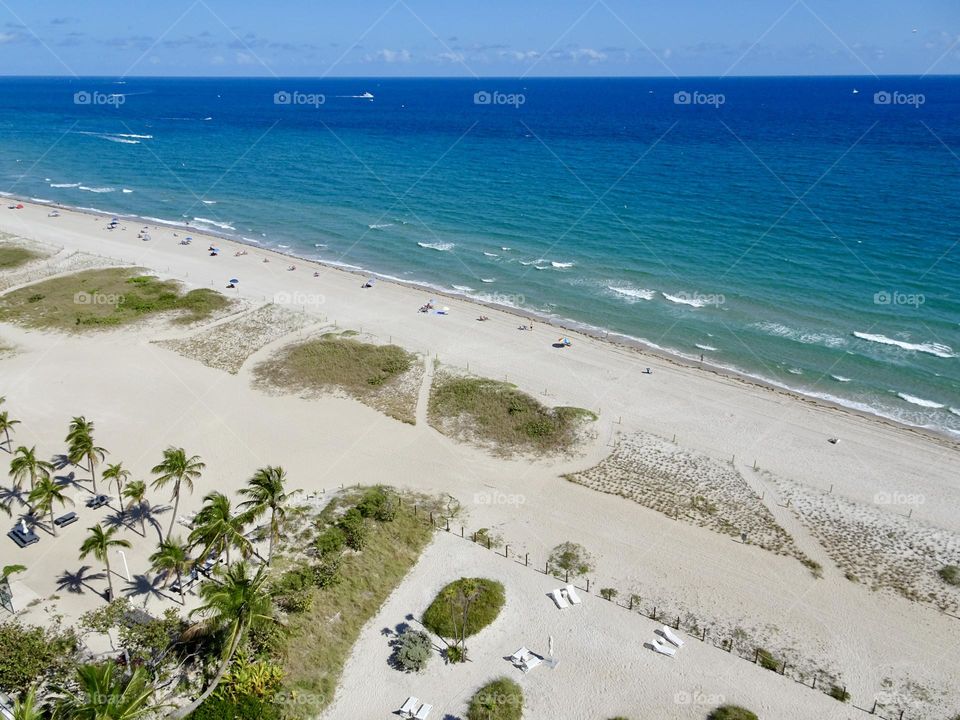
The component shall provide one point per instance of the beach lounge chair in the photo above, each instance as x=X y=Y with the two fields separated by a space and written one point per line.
x=519 y=656
x=423 y=712
x=663 y=649
x=557 y=596
x=572 y=595
x=406 y=709
x=669 y=635
x=530 y=662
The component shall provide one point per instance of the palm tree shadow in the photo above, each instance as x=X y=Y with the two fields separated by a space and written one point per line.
x=60 y=461
x=75 y=582
x=9 y=494
x=146 y=586
x=147 y=513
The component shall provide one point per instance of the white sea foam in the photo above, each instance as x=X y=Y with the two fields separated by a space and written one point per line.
x=801 y=336
x=463 y=288
x=527 y=262
x=40 y=200
x=64 y=185
x=209 y=202
x=680 y=300
x=632 y=294
x=441 y=246
x=561 y=265
x=955 y=411
x=709 y=348
x=132 y=135
x=795 y=371
x=380 y=226
x=840 y=378
x=221 y=225
x=914 y=400
x=96 y=189
x=488 y=280
x=937 y=349
x=505 y=249
x=490 y=254
x=127 y=190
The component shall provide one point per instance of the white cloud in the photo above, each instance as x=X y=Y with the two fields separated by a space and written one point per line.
x=389 y=56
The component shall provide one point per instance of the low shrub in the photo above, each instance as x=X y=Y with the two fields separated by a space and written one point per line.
x=950 y=574
x=354 y=529
x=378 y=504
x=412 y=650
x=732 y=712
x=767 y=660
x=330 y=542
x=218 y=707
x=500 y=699
x=838 y=692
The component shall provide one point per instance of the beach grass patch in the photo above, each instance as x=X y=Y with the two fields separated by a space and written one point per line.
x=732 y=712
x=497 y=414
x=13 y=256
x=319 y=639
x=381 y=376
x=444 y=616
x=500 y=699
x=950 y=574
x=104 y=298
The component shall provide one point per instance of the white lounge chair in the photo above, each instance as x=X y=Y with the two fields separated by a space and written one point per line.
x=407 y=709
x=423 y=712
x=663 y=649
x=557 y=596
x=669 y=635
x=572 y=595
x=530 y=662
x=519 y=656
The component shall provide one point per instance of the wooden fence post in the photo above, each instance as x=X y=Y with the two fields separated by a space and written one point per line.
x=506 y=551
x=526 y=560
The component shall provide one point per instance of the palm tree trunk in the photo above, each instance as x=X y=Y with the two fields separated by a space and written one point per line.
x=106 y=560
x=273 y=534
x=176 y=504
x=51 y=521
x=183 y=600
x=93 y=476
x=183 y=712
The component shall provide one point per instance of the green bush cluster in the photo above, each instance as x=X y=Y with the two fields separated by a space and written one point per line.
x=412 y=650
x=500 y=699
x=443 y=616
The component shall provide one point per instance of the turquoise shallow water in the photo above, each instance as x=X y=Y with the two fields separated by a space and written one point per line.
x=797 y=231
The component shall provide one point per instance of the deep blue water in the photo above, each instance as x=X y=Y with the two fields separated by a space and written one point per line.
x=763 y=231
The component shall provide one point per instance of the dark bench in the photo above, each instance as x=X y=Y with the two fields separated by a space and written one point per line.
x=64 y=520
x=98 y=501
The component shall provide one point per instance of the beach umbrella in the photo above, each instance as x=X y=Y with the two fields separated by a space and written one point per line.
x=234 y=281
x=23 y=526
x=551 y=646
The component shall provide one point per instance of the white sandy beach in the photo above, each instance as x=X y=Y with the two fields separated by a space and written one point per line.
x=144 y=397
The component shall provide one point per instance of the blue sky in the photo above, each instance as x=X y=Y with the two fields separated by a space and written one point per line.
x=488 y=38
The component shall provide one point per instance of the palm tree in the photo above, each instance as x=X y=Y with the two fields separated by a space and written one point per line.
x=266 y=492
x=136 y=492
x=29 y=707
x=172 y=558
x=104 y=693
x=6 y=425
x=218 y=529
x=81 y=446
x=45 y=494
x=25 y=464
x=98 y=544
x=118 y=474
x=178 y=469
x=232 y=605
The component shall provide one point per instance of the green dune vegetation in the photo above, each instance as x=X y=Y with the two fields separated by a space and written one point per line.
x=500 y=699
x=13 y=256
x=103 y=298
x=496 y=414
x=462 y=609
x=377 y=375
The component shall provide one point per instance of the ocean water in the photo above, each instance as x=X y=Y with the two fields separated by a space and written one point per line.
x=804 y=231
